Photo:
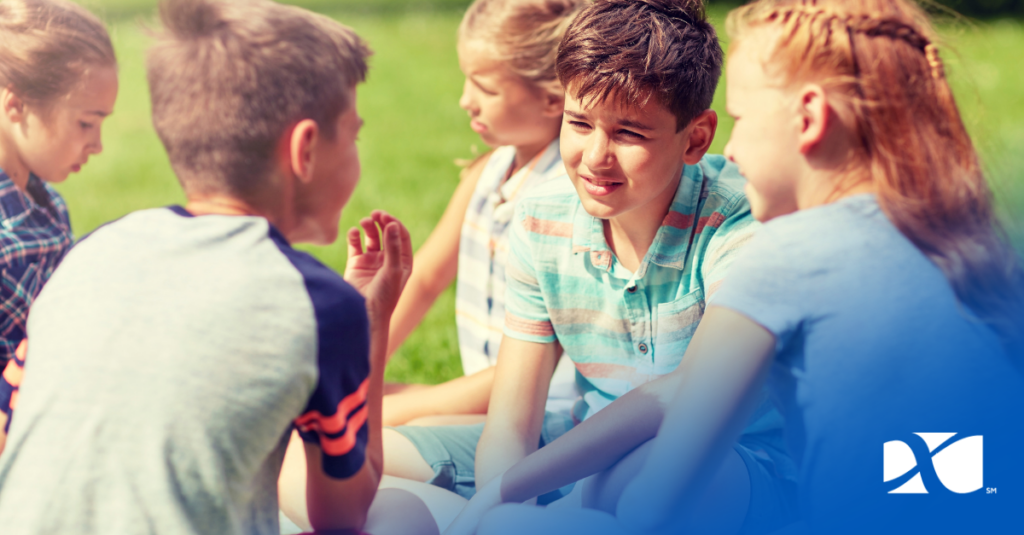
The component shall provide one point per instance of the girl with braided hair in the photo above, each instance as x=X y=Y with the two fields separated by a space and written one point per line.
x=879 y=301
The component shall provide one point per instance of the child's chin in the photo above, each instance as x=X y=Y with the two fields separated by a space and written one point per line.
x=598 y=209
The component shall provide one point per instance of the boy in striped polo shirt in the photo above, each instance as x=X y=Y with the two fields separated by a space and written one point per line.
x=616 y=272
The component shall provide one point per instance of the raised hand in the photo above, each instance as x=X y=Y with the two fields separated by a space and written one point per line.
x=381 y=270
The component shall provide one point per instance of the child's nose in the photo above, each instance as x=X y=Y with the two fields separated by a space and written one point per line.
x=466 y=101
x=597 y=153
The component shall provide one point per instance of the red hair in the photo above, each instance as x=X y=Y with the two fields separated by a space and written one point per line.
x=878 y=61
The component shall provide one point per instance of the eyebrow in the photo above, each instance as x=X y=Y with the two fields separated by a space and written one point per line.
x=623 y=122
x=99 y=113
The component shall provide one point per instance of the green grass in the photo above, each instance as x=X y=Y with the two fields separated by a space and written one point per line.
x=415 y=130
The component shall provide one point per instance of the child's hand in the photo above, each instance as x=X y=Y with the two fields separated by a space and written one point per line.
x=482 y=502
x=379 y=273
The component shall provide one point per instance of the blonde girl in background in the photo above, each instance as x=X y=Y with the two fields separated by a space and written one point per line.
x=507 y=52
x=58 y=82
x=880 y=301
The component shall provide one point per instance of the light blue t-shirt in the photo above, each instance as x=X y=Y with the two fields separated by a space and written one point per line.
x=882 y=376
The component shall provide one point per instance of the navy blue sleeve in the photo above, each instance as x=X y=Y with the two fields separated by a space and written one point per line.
x=335 y=416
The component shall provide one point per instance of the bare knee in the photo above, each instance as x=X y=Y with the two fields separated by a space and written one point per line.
x=400 y=512
x=402 y=459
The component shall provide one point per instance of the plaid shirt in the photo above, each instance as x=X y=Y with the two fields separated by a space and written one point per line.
x=35 y=234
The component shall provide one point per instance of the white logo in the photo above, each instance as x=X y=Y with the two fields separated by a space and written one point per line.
x=957 y=463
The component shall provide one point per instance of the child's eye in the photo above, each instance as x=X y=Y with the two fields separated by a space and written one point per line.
x=631 y=135
x=85 y=125
x=579 y=125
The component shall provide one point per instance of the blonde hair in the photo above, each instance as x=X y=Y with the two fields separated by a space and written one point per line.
x=523 y=34
x=48 y=45
x=227 y=78
x=878 y=61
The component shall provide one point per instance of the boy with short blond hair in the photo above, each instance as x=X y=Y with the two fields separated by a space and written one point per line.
x=175 y=349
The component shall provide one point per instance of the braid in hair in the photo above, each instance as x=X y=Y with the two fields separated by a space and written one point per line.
x=878 y=61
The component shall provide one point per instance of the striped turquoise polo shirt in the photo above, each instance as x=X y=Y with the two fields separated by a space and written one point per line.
x=622 y=329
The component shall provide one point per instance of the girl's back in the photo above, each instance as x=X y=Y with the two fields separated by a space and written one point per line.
x=874 y=348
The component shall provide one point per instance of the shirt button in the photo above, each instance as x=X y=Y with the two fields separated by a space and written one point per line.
x=642 y=347
x=631 y=289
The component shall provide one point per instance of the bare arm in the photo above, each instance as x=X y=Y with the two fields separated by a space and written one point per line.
x=343 y=503
x=462 y=395
x=595 y=444
x=724 y=366
x=516 y=410
x=379 y=273
x=636 y=417
x=11 y=379
x=436 y=262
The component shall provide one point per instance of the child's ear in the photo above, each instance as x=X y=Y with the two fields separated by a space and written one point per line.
x=813 y=114
x=554 y=105
x=12 y=106
x=302 y=149
x=702 y=132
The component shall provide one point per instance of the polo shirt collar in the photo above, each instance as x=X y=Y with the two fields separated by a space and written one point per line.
x=672 y=242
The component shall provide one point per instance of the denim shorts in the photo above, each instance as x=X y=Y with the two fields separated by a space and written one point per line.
x=450 y=450
x=773 y=499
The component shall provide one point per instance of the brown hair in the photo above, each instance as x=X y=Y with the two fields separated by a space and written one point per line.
x=635 y=49
x=878 y=61
x=524 y=34
x=48 y=45
x=227 y=78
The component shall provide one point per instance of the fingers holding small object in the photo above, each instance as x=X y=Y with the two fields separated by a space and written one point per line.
x=372 y=234
x=393 y=245
x=355 y=244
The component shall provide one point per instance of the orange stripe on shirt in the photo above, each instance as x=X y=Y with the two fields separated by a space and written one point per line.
x=713 y=221
x=525 y=326
x=13 y=373
x=547 y=227
x=336 y=423
x=678 y=220
x=336 y=447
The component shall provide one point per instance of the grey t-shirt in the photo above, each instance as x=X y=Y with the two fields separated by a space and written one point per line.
x=169 y=358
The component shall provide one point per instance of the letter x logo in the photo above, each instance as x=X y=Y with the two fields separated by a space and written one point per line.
x=933 y=461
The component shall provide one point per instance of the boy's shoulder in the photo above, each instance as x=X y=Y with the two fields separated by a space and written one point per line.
x=722 y=185
x=172 y=239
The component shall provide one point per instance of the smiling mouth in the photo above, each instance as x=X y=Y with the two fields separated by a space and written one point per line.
x=599 y=187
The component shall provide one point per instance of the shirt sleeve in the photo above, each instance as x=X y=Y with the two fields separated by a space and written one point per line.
x=19 y=284
x=335 y=416
x=766 y=283
x=724 y=247
x=526 y=313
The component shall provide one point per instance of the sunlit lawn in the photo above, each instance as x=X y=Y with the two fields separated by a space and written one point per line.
x=415 y=130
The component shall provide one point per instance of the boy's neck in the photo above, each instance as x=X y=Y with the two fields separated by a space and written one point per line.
x=631 y=235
